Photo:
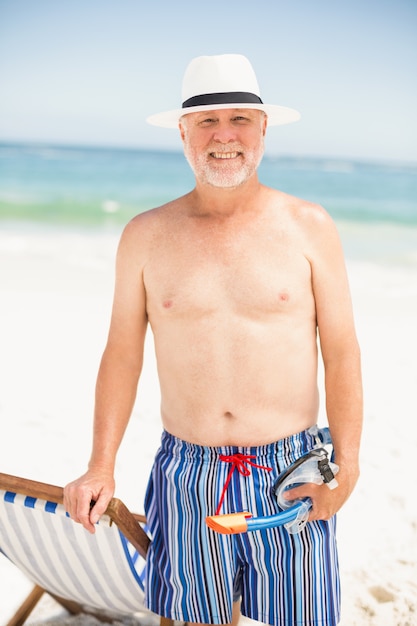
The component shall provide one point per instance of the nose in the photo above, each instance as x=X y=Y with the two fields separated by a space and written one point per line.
x=224 y=132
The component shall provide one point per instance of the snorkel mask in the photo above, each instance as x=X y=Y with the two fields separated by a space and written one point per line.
x=312 y=467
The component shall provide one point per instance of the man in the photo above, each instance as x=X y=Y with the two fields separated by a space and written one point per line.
x=235 y=280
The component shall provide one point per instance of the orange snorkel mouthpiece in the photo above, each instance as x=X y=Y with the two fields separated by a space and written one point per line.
x=229 y=524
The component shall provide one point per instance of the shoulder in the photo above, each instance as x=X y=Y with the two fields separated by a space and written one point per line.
x=143 y=230
x=320 y=236
x=310 y=224
x=150 y=220
x=307 y=214
x=313 y=220
x=310 y=218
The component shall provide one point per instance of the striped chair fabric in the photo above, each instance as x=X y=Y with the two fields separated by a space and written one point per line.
x=104 y=570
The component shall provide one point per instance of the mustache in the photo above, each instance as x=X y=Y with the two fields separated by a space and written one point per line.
x=223 y=149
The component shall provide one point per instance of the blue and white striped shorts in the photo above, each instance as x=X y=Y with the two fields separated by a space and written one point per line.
x=194 y=573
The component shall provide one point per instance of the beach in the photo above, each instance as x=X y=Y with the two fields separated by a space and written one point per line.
x=55 y=292
x=56 y=286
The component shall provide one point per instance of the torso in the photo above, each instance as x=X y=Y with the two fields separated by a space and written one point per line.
x=231 y=306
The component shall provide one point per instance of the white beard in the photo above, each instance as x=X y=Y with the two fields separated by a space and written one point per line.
x=231 y=172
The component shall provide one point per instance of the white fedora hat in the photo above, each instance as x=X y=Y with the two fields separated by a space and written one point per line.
x=225 y=81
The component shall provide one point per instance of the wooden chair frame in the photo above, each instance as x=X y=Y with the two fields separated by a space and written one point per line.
x=128 y=523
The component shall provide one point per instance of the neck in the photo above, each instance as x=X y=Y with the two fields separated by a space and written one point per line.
x=209 y=201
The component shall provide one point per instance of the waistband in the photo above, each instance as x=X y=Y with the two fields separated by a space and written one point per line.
x=296 y=444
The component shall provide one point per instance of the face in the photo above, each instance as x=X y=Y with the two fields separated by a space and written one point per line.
x=224 y=147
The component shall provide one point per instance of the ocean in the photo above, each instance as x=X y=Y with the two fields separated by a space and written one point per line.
x=373 y=204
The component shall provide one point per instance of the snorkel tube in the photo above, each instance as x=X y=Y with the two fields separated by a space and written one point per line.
x=233 y=523
x=312 y=467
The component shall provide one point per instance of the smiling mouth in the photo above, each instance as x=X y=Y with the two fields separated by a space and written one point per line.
x=225 y=155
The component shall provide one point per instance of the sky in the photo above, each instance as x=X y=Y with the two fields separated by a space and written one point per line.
x=89 y=72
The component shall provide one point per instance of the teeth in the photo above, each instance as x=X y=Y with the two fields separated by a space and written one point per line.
x=225 y=155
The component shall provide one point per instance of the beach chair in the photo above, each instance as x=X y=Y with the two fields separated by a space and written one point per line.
x=100 y=574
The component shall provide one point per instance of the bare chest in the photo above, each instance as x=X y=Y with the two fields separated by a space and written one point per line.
x=250 y=276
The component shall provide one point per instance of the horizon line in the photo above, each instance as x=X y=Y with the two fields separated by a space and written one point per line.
x=31 y=143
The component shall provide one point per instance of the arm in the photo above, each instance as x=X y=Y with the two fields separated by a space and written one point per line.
x=342 y=367
x=116 y=386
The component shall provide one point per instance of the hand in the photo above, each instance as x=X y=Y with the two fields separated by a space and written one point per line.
x=326 y=502
x=87 y=498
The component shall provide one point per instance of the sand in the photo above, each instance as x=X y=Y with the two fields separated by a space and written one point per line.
x=55 y=300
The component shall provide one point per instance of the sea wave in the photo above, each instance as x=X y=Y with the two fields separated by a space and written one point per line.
x=100 y=186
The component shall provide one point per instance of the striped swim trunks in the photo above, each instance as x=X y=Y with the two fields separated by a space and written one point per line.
x=194 y=574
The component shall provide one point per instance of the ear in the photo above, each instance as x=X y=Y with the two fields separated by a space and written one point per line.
x=264 y=124
x=182 y=130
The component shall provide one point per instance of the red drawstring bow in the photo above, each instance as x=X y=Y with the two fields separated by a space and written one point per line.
x=238 y=462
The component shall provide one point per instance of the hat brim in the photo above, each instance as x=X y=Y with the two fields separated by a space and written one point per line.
x=277 y=115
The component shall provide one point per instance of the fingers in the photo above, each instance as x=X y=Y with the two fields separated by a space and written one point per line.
x=77 y=504
x=86 y=501
x=99 y=508
x=324 y=503
x=80 y=511
x=306 y=490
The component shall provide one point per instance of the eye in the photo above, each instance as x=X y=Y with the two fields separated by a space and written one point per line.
x=241 y=119
x=207 y=121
